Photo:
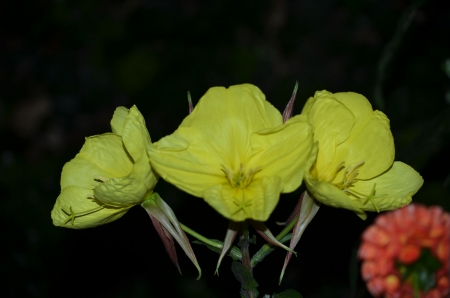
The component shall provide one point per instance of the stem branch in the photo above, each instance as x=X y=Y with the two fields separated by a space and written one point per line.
x=200 y=237
x=268 y=248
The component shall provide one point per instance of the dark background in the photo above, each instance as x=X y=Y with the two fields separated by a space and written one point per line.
x=66 y=65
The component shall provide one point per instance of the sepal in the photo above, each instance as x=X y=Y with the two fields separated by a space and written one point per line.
x=287 y=113
x=264 y=232
x=233 y=228
x=160 y=211
x=308 y=210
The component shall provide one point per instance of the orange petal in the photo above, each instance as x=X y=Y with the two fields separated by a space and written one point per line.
x=407 y=291
x=409 y=254
x=437 y=224
x=423 y=241
x=391 y=283
x=442 y=250
x=434 y=293
x=385 y=221
x=368 y=270
x=376 y=235
x=423 y=217
x=443 y=284
x=368 y=251
x=393 y=249
x=385 y=266
x=403 y=218
x=376 y=286
x=408 y=214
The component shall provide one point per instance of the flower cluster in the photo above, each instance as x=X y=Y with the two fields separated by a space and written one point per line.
x=406 y=253
x=238 y=153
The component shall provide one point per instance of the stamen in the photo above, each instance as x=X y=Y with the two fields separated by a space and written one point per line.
x=242 y=178
x=251 y=174
x=229 y=175
x=338 y=169
x=350 y=176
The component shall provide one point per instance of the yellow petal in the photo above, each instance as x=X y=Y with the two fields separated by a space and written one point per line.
x=393 y=189
x=370 y=141
x=244 y=103
x=330 y=195
x=284 y=151
x=101 y=155
x=135 y=135
x=129 y=190
x=143 y=170
x=227 y=118
x=118 y=119
x=256 y=201
x=332 y=123
x=186 y=160
x=307 y=107
x=357 y=104
x=94 y=214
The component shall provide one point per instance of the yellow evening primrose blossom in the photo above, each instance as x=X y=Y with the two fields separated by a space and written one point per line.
x=111 y=174
x=355 y=166
x=234 y=151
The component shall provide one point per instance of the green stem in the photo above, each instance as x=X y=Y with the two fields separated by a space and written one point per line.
x=200 y=237
x=244 y=248
x=268 y=248
x=246 y=289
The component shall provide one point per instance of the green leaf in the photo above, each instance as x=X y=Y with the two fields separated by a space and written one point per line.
x=248 y=283
x=288 y=294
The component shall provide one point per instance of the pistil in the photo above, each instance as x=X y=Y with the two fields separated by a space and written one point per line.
x=240 y=178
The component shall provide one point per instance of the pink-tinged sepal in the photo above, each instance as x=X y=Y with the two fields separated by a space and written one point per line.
x=161 y=212
x=287 y=114
x=233 y=228
x=167 y=240
x=264 y=232
x=191 y=106
x=308 y=209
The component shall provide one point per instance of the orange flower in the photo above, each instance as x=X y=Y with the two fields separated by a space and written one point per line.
x=406 y=253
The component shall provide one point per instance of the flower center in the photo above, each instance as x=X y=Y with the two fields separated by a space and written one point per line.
x=349 y=178
x=350 y=175
x=240 y=178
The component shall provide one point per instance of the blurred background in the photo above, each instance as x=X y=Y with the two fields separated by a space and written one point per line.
x=66 y=65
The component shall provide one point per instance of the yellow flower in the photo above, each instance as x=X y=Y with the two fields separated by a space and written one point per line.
x=109 y=175
x=355 y=166
x=234 y=151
